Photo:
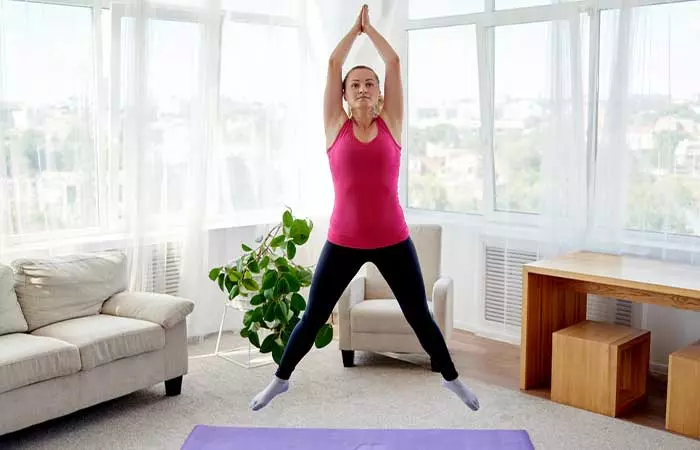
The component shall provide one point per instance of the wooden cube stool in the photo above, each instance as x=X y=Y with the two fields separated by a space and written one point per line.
x=683 y=396
x=600 y=367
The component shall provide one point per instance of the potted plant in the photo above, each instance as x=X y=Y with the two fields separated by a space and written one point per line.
x=266 y=279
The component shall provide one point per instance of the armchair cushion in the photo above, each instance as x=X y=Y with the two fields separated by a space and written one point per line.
x=165 y=310
x=382 y=316
x=428 y=242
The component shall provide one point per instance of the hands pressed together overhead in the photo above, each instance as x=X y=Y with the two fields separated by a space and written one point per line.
x=362 y=23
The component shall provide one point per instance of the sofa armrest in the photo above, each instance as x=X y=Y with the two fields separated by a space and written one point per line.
x=165 y=310
x=353 y=294
x=443 y=293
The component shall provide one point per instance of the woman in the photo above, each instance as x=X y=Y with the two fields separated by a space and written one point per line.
x=367 y=224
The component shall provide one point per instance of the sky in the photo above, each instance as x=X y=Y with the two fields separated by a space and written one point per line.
x=40 y=68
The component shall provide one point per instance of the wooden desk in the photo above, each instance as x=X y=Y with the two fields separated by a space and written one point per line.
x=554 y=297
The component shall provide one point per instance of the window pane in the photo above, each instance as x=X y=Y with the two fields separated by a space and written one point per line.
x=520 y=115
x=445 y=159
x=661 y=133
x=259 y=106
x=540 y=113
x=47 y=117
x=422 y=9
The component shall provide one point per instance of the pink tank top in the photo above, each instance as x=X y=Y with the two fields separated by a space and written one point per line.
x=367 y=213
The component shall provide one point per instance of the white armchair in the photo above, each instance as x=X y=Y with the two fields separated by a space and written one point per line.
x=369 y=316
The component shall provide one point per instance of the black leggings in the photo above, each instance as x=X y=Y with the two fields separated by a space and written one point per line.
x=336 y=267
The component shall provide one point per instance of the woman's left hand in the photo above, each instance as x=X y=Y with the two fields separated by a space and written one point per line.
x=365 y=18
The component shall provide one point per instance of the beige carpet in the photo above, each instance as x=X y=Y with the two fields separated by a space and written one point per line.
x=380 y=393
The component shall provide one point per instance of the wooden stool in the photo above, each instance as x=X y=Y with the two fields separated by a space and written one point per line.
x=683 y=397
x=600 y=367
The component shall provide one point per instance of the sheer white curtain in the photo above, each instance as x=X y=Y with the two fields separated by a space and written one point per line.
x=647 y=181
x=149 y=125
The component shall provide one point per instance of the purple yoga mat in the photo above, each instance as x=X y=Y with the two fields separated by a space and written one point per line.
x=236 y=438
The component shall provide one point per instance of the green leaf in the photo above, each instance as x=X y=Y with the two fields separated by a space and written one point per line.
x=246 y=248
x=277 y=352
x=220 y=281
x=304 y=276
x=245 y=332
x=254 y=267
x=276 y=242
x=282 y=287
x=258 y=314
x=268 y=344
x=291 y=250
x=233 y=275
x=254 y=339
x=299 y=232
x=251 y=285
x=281 y=262
x=233 y=293
x=214 y=273
x=298 y=303
x=292 y=281
x=324 y=336
x=281 y=311
x=270 y=312
x=287 y=219
x=269 y=279
x=258 y=299
x=269 y=293
x=264 y=262
x=247 y=318
x=248 y=274
x=228 y=284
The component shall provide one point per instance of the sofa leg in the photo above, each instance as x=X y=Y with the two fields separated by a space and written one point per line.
x=348 y=358
x=173 y=387
x=434 y=367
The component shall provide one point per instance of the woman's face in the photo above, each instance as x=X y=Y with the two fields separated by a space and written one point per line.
x=361 y=89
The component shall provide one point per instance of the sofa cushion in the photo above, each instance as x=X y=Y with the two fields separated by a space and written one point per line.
x=380 y=316
x=11 y=317
x=102 y=339
x=65 y=287
x=27 y=359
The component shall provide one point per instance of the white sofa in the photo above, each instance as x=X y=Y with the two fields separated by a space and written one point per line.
x=369 y=317
x=72 y=336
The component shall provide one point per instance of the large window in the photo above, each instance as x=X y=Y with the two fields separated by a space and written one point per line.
x=47 y=118
x=96 y=114
x=536 y=126
x=445 y=164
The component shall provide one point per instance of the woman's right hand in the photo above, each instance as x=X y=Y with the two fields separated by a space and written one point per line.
x=357 y=28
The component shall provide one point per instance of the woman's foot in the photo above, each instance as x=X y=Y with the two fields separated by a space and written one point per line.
x=276 y=387
x=463 y=392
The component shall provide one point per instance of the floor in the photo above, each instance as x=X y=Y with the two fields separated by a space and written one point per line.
x=380 y=392
x=498 y=363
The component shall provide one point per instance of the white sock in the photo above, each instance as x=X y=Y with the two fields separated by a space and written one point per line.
x=463 y=392
x=276 y=387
